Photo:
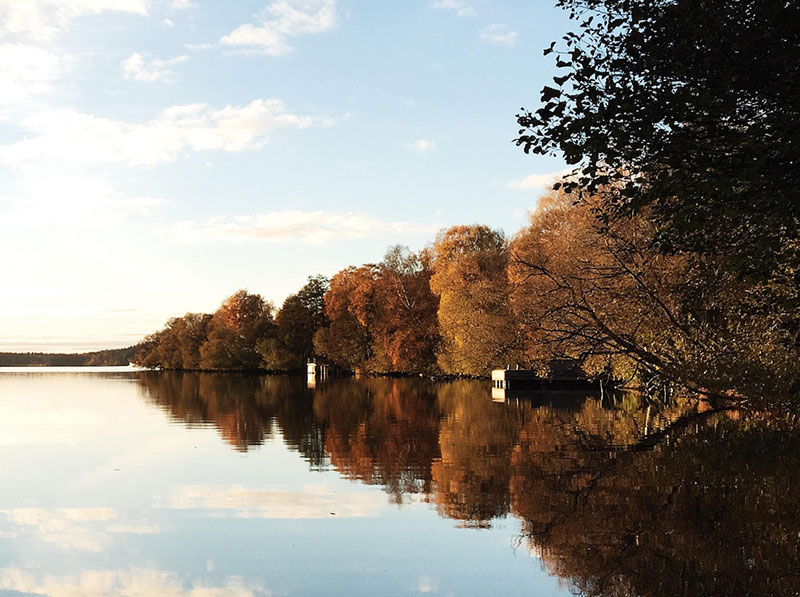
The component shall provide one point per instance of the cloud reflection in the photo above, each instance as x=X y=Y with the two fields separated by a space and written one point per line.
x=132 y=583
x=86 y=529
x=315 y=502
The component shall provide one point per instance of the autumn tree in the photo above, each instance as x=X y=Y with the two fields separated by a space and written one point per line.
x=177 y=346
x=236 y=328
x=382 y=317
x=406 y=331
x=298 y=319
x=599 y=291
x=475 y=320
x=686 y=113
x=349 y=308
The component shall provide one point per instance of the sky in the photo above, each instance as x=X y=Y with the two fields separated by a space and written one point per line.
x=158 y=155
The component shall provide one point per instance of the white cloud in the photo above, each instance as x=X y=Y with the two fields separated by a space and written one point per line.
x=26 y=70
x=136 y=67
x=462 y=9
x=535 y=182
x=422 y=145
x=43 y=19
x=181 y=4
x=284 y=226
x=143 y=582
x=281 y=20
x=499 y=34
x=69 y=136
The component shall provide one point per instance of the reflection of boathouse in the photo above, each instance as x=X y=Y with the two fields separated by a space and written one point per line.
x=527 y=383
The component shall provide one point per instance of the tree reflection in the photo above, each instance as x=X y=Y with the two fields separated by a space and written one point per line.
x=382 y=432
x=244 y=408
x=476 y=439
x=617 y=497
x=709 y=513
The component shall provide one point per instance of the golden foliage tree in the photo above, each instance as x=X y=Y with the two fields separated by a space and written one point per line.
x=596 y=289
x=476 y=322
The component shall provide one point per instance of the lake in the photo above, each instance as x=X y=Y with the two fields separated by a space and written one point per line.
x=124 y=482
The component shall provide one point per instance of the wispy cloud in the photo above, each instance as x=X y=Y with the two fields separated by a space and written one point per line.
x=44 y=19
x=137 y=67
x=462 y=9
x=280 y=21
x=499 y=34
x=291 y=226
x=422 y=145
x=536 y=182
x=69 y=136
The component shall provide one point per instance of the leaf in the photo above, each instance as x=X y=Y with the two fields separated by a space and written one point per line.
x=549 y=93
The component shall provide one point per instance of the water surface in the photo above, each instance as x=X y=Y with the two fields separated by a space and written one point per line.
x=158 y=483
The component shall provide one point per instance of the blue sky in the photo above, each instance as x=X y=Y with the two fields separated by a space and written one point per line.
x=158 y=155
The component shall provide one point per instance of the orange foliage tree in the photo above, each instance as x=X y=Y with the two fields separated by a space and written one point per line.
x=234 y=331
x=349 y=307
x=382 y=318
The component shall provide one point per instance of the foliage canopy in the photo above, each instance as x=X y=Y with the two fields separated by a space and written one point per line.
x=692 y=108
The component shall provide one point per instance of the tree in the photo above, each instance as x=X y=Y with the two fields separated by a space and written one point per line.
x=299 y=318
x=234 y=331
x=406 y=332
x=686 y=112
x=475 y=320
x=177 y=346
x=312 y=298
x=349 y=308
x=603 y=294
x=382 y=318
x=691 y=108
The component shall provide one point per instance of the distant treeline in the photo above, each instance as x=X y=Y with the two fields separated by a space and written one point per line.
x=119 y=356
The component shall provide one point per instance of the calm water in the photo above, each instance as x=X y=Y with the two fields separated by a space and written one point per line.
x=151 y=483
